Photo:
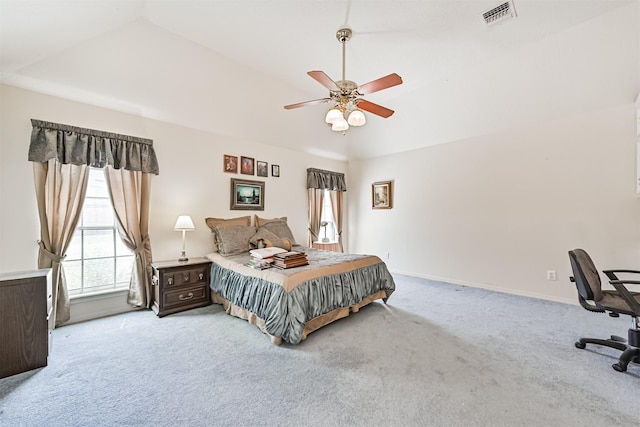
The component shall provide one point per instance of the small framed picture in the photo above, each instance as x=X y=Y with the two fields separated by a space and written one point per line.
x=230 y=164
x=381 y=197
x=246 y=165
x=247 y=195
x=275 y=170
x=262 y=168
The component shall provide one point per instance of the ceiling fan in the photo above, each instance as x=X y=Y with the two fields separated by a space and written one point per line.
x=346 y=95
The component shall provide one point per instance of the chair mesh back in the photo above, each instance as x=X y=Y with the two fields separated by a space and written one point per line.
x=586 y=275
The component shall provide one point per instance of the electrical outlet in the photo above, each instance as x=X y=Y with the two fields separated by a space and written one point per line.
x=386 y=255
x=551 y=275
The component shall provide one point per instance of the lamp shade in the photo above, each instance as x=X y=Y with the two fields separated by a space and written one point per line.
x=357 y=118
x=340 y=125
x=184 y=223
x=333 y=115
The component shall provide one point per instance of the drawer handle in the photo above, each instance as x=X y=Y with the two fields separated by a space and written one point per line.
x=170 y=281
x=183 y=298
x=201 y=276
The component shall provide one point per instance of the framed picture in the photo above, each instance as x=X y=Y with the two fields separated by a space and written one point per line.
x=246 y=165
x=275 y=170
x=262 y=168
x=230 y=164
x=381 y=197
x=247 y=195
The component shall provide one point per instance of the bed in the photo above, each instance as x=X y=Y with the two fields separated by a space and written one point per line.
x=289 y=304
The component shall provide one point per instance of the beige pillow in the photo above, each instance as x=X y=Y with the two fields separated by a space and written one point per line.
x=262 y=221
x=225 y=222
x=212 y=223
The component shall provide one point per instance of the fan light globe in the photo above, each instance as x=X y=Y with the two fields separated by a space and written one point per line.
x=333 y=115
x=357 y=118
x=340 y=125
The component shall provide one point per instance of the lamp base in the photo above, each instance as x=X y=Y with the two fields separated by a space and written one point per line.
x=183 y=257
x=325 y=240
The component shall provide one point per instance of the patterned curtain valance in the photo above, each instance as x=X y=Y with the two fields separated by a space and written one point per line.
x=325 y=180
x=78 y=146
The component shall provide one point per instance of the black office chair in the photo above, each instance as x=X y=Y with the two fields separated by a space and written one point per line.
x=614 y=302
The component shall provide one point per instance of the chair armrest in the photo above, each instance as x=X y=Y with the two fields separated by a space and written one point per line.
x=624 y=293
x=611 y=274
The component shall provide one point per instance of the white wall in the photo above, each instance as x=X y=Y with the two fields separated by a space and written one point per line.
x=191 y=180
x=499 y=211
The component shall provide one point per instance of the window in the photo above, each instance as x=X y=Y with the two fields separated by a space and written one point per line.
x=327 y=216
x=97 y=260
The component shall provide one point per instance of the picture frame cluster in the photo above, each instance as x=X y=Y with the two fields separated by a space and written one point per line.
x=248 y=166
x=246 y=194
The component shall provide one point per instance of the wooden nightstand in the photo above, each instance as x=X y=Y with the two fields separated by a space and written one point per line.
x=179 y=286
x=327 y=246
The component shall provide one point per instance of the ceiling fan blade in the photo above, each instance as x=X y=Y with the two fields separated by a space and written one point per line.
x=376 y=109
x=304 y=104
x=379 y=84
x=324 y=80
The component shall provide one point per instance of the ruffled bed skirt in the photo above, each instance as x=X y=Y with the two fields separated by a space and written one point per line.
x=310 y=326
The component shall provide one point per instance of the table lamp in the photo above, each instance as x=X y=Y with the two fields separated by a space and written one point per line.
x=183 y=224
x=324 y=224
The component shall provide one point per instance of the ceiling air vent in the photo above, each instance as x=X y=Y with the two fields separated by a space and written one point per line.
x=499 y=13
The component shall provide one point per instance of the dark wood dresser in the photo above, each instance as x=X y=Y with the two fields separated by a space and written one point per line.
x=179 y=286
x=25 y=320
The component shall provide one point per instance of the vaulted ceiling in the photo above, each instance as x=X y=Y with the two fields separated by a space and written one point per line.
x=229 y=66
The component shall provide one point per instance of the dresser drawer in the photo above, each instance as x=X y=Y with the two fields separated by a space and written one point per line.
x=185 y=296
x=184 y=276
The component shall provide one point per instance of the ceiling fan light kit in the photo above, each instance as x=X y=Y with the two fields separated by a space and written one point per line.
x=347 y=108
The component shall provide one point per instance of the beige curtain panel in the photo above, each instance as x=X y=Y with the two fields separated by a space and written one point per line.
x=129 y=192
x=337 y=208
x=61 y=155
x=316 y=198
x=60 y=192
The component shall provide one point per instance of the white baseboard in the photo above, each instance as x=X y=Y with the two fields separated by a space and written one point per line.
x=488 y=287
x=99 y=305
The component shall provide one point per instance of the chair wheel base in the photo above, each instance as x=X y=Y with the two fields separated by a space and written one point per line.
x=580 y=345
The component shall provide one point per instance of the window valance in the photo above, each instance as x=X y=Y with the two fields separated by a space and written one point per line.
x=78 y=146
x=326 y=180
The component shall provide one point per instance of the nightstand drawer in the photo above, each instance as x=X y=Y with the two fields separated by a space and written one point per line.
x=184 y=276
x=183 y=296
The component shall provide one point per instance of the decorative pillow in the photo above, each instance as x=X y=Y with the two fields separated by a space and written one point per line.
x=280 y=229
x=212 y=223
x=269 y=239
x=225 y=222
x=234 y=239
x=262 y=221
